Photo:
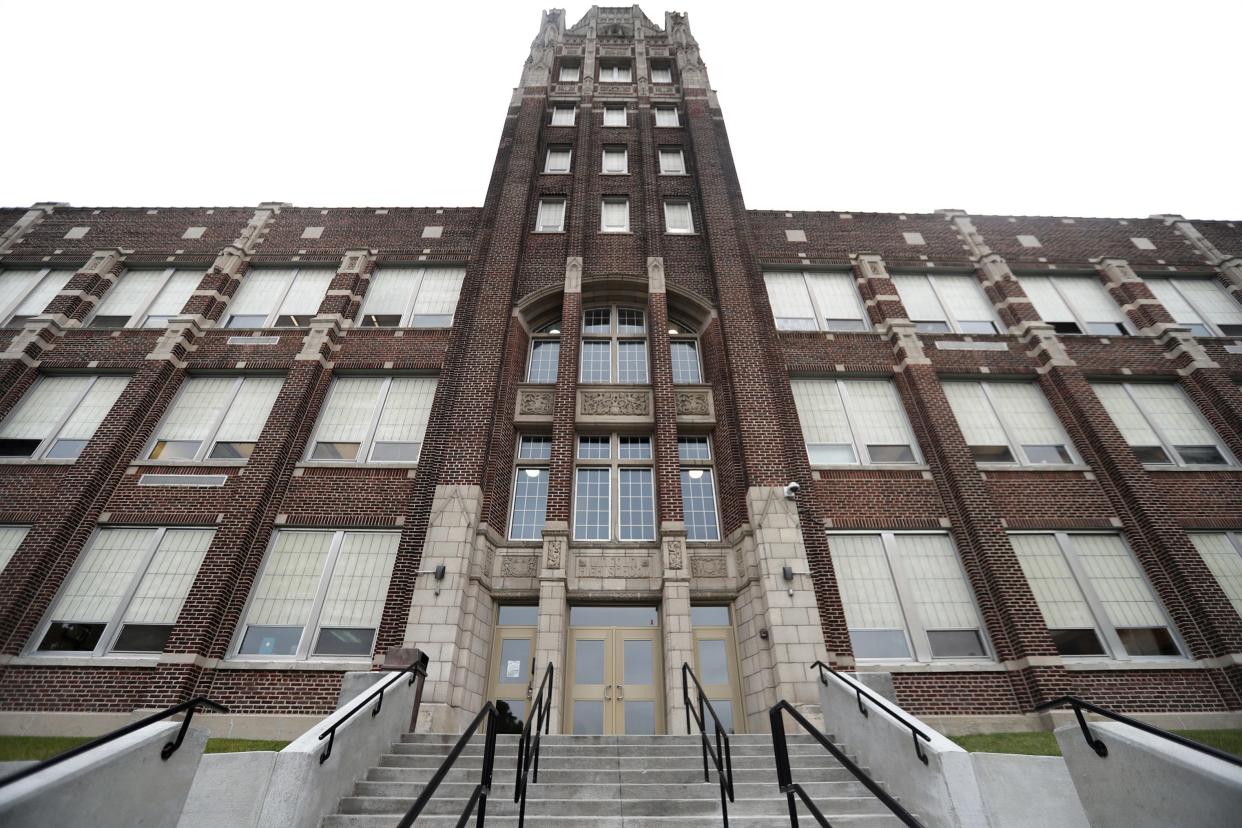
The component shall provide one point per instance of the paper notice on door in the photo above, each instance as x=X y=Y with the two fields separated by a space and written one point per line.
x=513 y=669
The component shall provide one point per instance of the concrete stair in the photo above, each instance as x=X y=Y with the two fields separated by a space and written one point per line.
x=610 y=782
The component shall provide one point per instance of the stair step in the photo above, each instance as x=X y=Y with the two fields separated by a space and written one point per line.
x=505 y=806
x=688 y=749
x=561 y=738
x=570 y=776
x=559 y=821
x=601 y=790
x=605 y=762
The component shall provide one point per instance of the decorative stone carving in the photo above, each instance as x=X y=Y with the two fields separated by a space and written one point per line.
x=519 y=566
x=536 y=403
x=674 y=548
x=554 y=550
x=489 y=566
x=614 y=566
x=693 y=404
x=709 y=566
x=616 y=403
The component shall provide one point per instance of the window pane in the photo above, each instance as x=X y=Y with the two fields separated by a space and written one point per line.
x=514 y=667
x=127 y=296
x=677 y=217
x=615 y=161
x=171 y=299
x=1048 y=303
x=666 y=116
x=345 y=641
x=551 y=214
x=639 y=718
x=11 y=537
x=347 y=416
x=964 y=298
x=389 y=295
x=249 y=411
x=530 y=504
x=614 y=116
x=1086 y=295
x=1125 y=414
x=588 y=718
x=596 y=361
x=265 y=640
x=287 y=588
x=868 y=594
x=1221 y=557
x=979 y=423
x=693 y=448
x=85 y=419
x=544 y=356
x=709 y=616
x=1077 y=642
x=1127 y=599
x=1056 y=591
x=837 y=298
x=588 y=661
x=956 y=644
x=167 y=581
x=257 y=295
x=194 y=414
x=1047 y=454
x=597 y=322
x=685 y=357
x=634 y=448
x=890 y=454
x=1168 y=405
x=631 y=322
x=535 y=448
x=359 y=586
x=829 y=454
x=591 y=512
x=1148 y=641
x=879 y=643
x=713 y=661
x=142 y=638
x=672 y=162
x=437 y=297
x=44 y=292
x=403 y=420
x=558 y=160
x=698 y=497
x=594 y=448
x=918 y=297
x=71 y=637
x=519 y=615
x=614 y=216
x=42 y=407
x=639 y=658
x=99 y=583
x=938 y=586
x=613 y=616
x=306 y=294
x=637 y=505
x=879 y=419
x=632 y=361
x=563 y=116
x=1214 y=303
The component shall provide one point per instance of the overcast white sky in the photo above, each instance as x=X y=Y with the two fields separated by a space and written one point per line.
x=1070 y=108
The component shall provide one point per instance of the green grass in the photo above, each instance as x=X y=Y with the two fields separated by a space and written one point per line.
x=1043 y=743
x=13 y=748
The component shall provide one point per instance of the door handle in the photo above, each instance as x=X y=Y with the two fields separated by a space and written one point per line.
x=620 y=691
x=608 y=692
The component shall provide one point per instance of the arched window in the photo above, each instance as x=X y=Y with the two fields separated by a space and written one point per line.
x=545 y=353
x=683 y=344
x=614 y=346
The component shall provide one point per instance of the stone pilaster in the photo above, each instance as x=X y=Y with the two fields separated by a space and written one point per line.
x=550 y=640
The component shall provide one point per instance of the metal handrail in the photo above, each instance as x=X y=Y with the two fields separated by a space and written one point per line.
x=1101 y=749
x=859 y=692
x=168 y=750
x=722 y=756
x=784 y=774
x=481 y=791
x=528 y=754
x=417 y=670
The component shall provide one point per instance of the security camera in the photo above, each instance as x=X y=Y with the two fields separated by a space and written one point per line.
x=791 y=489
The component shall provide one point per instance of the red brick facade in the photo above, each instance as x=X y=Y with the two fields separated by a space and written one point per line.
x=481 y=360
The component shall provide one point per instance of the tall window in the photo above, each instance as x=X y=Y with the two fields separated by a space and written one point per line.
x=570 y=71
x=614 y=116
x=278 y=297
x=672 y=161
x=412 y=297
x=615 y=71
x=905 y=597
x=146 y=298
x=1222 y=552
x=215 y=418
x=677 y=217
x=530 y=488
x=11 y=538
x=1075 y=304
x=320 y=593
x=616 y=160
x=1008 y=422
x=563 y=114
x=614 y=215
x=551 y=217
x=1202 y=304
x=125 y=593
x=666 y=116
x=545 y=354
x=58 y=416
x=946 y=303
x=24 y=294
x=374 y=420
x=846 y=422
x=809 y=301
x=614 y=345
x=698 y=489
x=614 y=477
x=1093 y=595
x=661 y=73
x=558 y=159
x=686 y=367
x=1161 y=424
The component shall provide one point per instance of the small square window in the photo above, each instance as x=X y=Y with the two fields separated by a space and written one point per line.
x=570 y=72
x=1029 y=241
x=672 y=161
x=551 y=218
x=563 y=115
x=616 y=160
x=194 y=232
x=558 y=160
x=77 y=232
x=666 y=116
x=661 y=73
x=614 y=116
x=615 y=215
x=615 y=72
x=433 y=231
x=677 y=217
x=913 y=238
x=795 y=235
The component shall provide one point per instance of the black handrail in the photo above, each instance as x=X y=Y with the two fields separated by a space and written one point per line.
x=528 y=754
x=859 y=692
x=721 y=758
x=784 y=774
x=1101 y=749
x=417 y=670
x=481 y=791
x=168 y=750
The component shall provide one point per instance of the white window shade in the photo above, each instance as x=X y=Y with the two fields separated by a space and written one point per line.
x=172 y=298
x=1212 y=301
x=248 y=413
x=1047 y=301
x=821 y=412
x=406 y=411
x=964 y=297
x=98 y=585
x=1087 y=296
x=259 y=292
x=1168 y=405
x=835 y=294
x=1173 y=301
x=939 y=588
x=666 y=116
x=1124 y=593
x=677 y=217
x=307 y=292
x=918 y=297
x=551 y=214
x=615 y=215
x=791 y=306
x=14 y=284
x=672 y=162
x=1220 y=556
x=558 y=160
x=38 y=299
x=438 y=294
x=1125 y=414
x=197 y=409
x=391 y=290
x=1060 y=599
x=130 y=293
x=1027 y=411
x=979 y=423
x=615 y=160
x=86 y=418
x=286 y=593
x=877 y=414
x=868 y=594
x=167 y=581
x=42 y=408
x=359 y=584
x=350 y=410
x=563 y=116
x=11 y=537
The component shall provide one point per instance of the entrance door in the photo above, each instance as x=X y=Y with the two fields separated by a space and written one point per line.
x=513 y=654
x=716 y=666
x=615 y=672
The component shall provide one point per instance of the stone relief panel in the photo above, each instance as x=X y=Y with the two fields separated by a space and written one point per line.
x=535 y=403
x=694 y=403
x=610 y=403
x=709 y=566
x=615 y=566
x=519 y=566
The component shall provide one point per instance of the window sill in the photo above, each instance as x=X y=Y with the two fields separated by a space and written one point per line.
x=616 y=232
x=874 y=467
x=938 y=666
x=1041 y=467
x=206 y=463
x=616 y=174
x=32 y=461
x=558 y=172
x=334 y=665
x=81 y=660
x=351 y=464
x=675 y=175
x=1200 y=467
x=548 y=232
x=1149 y=663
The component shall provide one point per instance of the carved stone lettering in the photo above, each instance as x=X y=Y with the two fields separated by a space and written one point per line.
x=614 y=567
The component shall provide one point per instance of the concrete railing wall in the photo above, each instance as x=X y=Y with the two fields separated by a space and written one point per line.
x=1146 y=781
x=955 y=789
x=121 y=784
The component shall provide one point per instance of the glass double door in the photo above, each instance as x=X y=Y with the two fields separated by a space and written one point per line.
x=615 y=675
